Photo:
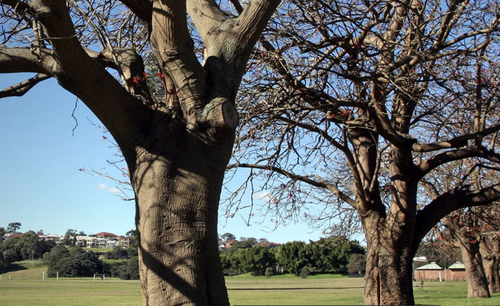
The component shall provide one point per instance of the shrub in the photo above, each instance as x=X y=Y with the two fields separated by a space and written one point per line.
x=305 y=271
x=269 y=272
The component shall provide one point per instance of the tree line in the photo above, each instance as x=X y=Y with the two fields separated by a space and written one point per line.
x=327 y=255
x=249 y=255
x=66 y=260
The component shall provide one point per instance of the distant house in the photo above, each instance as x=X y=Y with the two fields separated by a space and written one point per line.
x=12 y=235
x=102 y=239
x=125 y=241
x=50 y=237
x=456 y=272
x=227 y=244
x=106 y=235
x=429 y=272
x=102 y=242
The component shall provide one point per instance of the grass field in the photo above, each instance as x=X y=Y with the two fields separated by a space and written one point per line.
x=26 y=287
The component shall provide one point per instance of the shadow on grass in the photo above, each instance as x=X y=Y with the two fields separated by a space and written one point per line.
x=15 y=267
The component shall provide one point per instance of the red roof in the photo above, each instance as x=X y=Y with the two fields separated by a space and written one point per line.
x=105 y=234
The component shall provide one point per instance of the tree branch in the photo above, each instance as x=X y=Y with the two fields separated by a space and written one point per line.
x=458 y=154
x=141 y=8
x=24 y=60
x=21 y=88
x=83 y=76
x=450 y=201
x=455 y=142
x=320 y=183
x=252 y=21
x=206 y=16
x=174 y=50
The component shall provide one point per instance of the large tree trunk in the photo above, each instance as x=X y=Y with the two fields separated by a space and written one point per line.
x=389 y=232
x=476 y=277
x=177 y=186
x=388 y=279
x=490 y=251
x=491 y=267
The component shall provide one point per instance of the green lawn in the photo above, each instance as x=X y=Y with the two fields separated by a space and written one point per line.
x=26 y=287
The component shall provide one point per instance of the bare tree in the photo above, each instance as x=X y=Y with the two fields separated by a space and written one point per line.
x=490 y=251
x=472 y=230
x=176 y=145
x=355 y=103
x=463 y=231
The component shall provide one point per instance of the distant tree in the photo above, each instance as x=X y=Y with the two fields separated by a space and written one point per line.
x=2 y=233
x=30 y=245
x=263 y=240
x=125 y=269
x=290 y=256
x=357 y=264
x=10 y=255
x=133 y=268
x=252 y=241
x=229 y=265
x=242 y=244
x=117 y=253
x=58 y=252
x=257 y=259
x=13 y=227
x=228 y=237
x=70 y=237
x=440 y=251
x=75 y=262
x=333 y=253
x=10 y=248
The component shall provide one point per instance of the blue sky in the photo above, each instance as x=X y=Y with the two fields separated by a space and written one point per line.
x=40 y=182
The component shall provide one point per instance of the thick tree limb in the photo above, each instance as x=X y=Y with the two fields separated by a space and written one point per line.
x=174 y=49
x=25 y=60
x=80 y=74
x=206 y=16
x=450 y=201
x=455 y=142
x=141 y=8
x=458 y=154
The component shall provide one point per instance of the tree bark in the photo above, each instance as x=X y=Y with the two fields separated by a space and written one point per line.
x=476 y=278
x=177 y=189
x=388 y=278
x=491 y=267
x=490 y=251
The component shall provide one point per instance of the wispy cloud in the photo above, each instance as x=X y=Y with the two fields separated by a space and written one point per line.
x=105 y=187
x=263 y=196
